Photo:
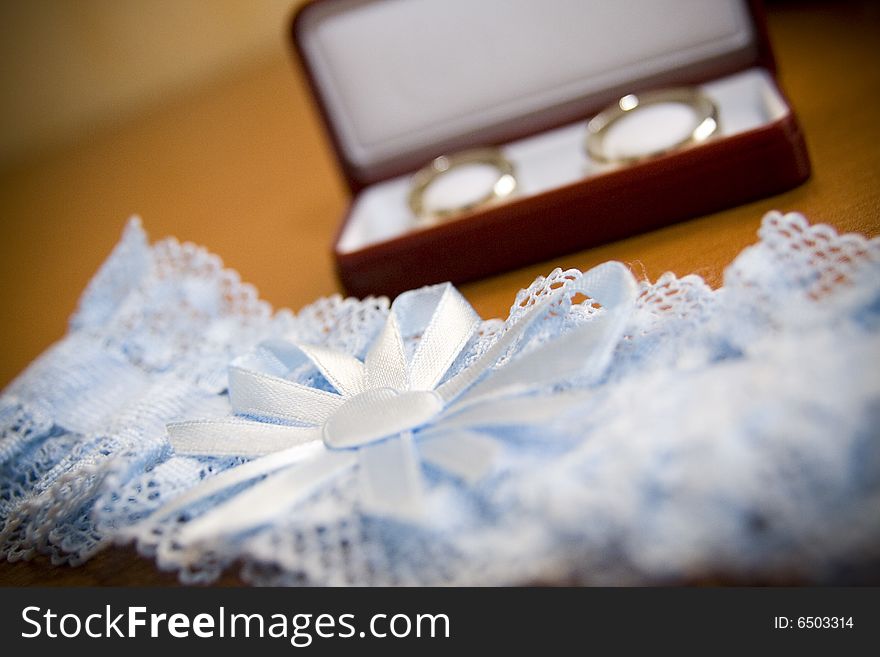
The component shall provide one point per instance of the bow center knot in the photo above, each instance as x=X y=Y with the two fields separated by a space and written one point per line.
x=377 y=414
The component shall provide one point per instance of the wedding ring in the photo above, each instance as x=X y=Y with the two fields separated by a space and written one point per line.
x=705 y=122
x=503 y=186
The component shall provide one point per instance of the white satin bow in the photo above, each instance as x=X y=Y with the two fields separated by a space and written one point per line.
x=385 y=405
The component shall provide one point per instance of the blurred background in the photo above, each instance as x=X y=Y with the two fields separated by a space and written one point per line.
x=69 y=69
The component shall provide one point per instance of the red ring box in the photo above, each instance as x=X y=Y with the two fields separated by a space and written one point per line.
x=399 y=82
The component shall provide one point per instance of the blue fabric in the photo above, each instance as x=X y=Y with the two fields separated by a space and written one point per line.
x=734 y=432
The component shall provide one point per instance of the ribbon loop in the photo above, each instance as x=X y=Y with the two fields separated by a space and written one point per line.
x=262 y=395
x=585 y=351
x=264 y=501
x=345 y=373
x=386 y=361
x=237 y=475
x=449 y=329
x=235 y=437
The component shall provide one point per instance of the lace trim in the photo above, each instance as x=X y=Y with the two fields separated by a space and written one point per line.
x=751 y=405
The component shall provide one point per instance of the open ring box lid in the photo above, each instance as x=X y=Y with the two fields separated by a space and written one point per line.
x=400 y=82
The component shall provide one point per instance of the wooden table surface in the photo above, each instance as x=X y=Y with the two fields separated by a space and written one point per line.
x=243 y=168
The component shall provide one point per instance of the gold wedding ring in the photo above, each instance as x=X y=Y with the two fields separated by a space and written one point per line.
x=706 y=122
x=503 y=187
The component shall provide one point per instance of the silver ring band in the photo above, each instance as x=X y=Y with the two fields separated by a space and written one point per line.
x=599 y=126
x=504 y=186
